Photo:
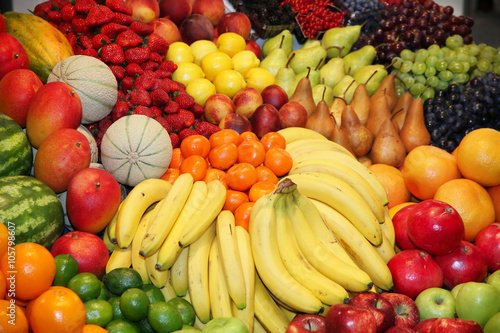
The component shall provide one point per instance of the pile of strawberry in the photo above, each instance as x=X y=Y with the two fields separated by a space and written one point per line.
x=105 y=29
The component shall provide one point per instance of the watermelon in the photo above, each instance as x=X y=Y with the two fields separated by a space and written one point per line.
x=16 y=156
x=31 y=209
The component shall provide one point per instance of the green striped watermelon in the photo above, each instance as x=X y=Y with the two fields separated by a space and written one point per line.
x=32 y=209
x=16 y=156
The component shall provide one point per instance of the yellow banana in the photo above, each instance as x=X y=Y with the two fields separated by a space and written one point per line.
x=119 y=258
x=388 y=228
x=179 y=273
x=166 y=213
x=292 y=134
x=138 y=261
x=197 y=322
x=269 y=315
x=385 y=250
x=157 y=278
x=168 y=291
x=142 y=196
x=257 y=326
x=220 y=301
x=300 y=147
x=111 y=228
x=105 y=238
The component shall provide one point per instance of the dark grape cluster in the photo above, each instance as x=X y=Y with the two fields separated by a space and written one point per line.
x=266 y=14
x=361 y=6
x=454 y=112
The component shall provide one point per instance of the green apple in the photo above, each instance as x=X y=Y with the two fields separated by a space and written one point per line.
x=494 y=279
x=435 y=303
x=493 y=325
x=225 y=325
x=477 y=301
x=455 y=289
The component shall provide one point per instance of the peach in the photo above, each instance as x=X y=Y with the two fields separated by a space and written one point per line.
x=246 y=101
x=175 y=10
x=167 y=29
x=144 y=10
x=211 y=9
x=196 y=27
x=235 y=22
x=217 y=107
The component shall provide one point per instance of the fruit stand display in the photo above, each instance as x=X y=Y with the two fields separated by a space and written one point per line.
x=211 y=166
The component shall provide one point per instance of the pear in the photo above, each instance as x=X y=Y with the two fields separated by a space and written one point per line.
x=379 y=112
x=275 y=60
x=304 y=95
x=336 y=108
x=332 y=71
x=387 y=147
x=361 y=102
x=362 y=57
x=372 y=76
x=341 y=37
x=414 y=133
x=401 y=108
x=320 y=119
x=345 y=88
x=387 y=86
x=323 y=92
x=284 y=40
x=287 y=80
x=310 y=43
x=313 y=74
x=359 y=137
x=308 y=57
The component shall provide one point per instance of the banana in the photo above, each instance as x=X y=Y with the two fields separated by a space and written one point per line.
x=157 y=278
x=119 y=258
x=287 y=312
x=179 y=273
x=388 y=228
x=268 y=262
x=220 y=300
x=352 y=163
x=385 y=250
x=105 y=238
x=362 y=252
x=198 y=287
x=166 y=213
x=230 y=257
x=267 y=311
x=341 y=197
x=142 y=196
x=138 y=261
x=168 y=291
x=111 y=228
x=348 y=175
x=292 y=134
x=197 y=322
x=257 y=327
x=349 y=277
x=300 y=147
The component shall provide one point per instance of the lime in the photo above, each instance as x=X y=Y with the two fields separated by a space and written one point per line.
x=120 y=279
x=99 y=312
x=245 y=60
x=202 y=47
x=115 y=305
x=104 y=294
x=185 y=309
x=154 y=293
x=201 y=89
x=145 y=326
x=122 y=326
x=66 y=268
x=229 y=82
x=134 y=304
x=86 y=285
x=215 y=62
x=179 y=52
x=164 y=317
x=231 y=43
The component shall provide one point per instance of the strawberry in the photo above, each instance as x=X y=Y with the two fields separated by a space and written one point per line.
x=113 y=29
x=128 y=38
x=79 y=25
x=127 y=83
x=128 y=101
x=155 y=57
x=156 y=111
x=134 y=69
x=156 y=43
x=85 y=40
x=99 y=15
x=103 y=127
x=112 y=53
x=168 y=66
x=140 y=97
x=118 y=71
x=186 y=132
x=164 y=123
x=42 y=9
x=171 y=107
x=121 y=93
x=65 y=28
x=100 y=40
x=175 y=121
x=136 y=55
x=150 y=66
x=72 y=39
x=185 y=100
x=197 y=110
x=91 y=52
x=207 y=129
x=124 y=19
x=83 y=6
x=119 y=6
x=142 y=29
x=59 y=3
x=54 y=16
x=119 y=110
x=187 y=116
x=161 y=74
x=143 y=110
x=174 y=139
x=68 y=12
x=145 y=81
x=159 y=97
x=78 y=50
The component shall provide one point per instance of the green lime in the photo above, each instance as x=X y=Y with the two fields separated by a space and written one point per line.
x=86 y=285
x=122 y=326
x=154 y=293
x=185 y=309
x=134 y=304
x=145 y=326
x=104 y=294
x=66 y=268
x=121 y=279
x=164 y=317
x=115 y=305
x=99 y=312
x=188 y=329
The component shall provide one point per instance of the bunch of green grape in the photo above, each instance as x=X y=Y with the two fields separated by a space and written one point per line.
x=426 y=71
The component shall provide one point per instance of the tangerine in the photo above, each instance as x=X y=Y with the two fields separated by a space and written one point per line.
x=393 y=181
x=171 y=175
x=177 y=158
x=223 y=156
x=251 y=151
x=241 y=176
x=242 y=214
x=260 y=189
x=273 y=139
x=264 y=173
x=12 y=318
x=278 y=160
x=195 y=145
x=234 y=199
x=494 y=193
x=226 y=135
x=196 y=165
x=215 y=174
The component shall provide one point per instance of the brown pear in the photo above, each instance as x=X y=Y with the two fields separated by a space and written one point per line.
x=339 y=136
x=379 y=112
x=414 y=133
x=361 y=102
x=320 y=120
x=336 y=109
x=304 y=95
x=387 y=87
x=360 y=138
x=401 y=108
x=387 y=147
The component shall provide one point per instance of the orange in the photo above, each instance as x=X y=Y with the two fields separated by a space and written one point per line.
x=225 y=135
x=264 y=173
x=12 y=318
x=171 y=175
x=273 y=139
x=478 y=156
x=223 y=156
x=4 y=239
x=3 y=285
x=93 y=329
x=393 y=181
x=241 y=176
x=34 y=269
x=195 y=145
x=426 y=168
x=213 y=174
x=234 y=199
x=242 y=214
x=195 y=165
x=395 y=209
x=177 y=158
x=260 y=189
x=249 y=136
x=278 y=160
x=58 y=309
x=252 y=152
x=471 y=201
x=494 y=193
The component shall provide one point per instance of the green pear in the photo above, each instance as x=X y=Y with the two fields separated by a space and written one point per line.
x=274 y=61
x=323 y=92
x=332 y=72
x=371 y=76
x=286 y=79
x=341 y=37
x=310 y=43
x=345 y=88
x=284 y=40
x=313 y=74
x=362 y=57
x=308 y=57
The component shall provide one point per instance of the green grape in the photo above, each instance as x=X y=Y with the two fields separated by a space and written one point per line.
x=441 y=65
x=430 y=72
x=496 y=68
x=421 y=55
x=472 y=49
x=440 y=54
x=403 y=76
x=451 y=56
x=409 y=81
x=442 y=85
x=483 y=65
x=406 y=66
x=416 y=89
x=407 y=54
x=397 y=62
x=432 y=81
x=445 y=75
x=400 y=89
x=418 y=68
x=431 y=61
x=466 y=67
x=496 y=58
x=488 y=52
x=462 y=56
x=433 y=50
x=456 y=67
x=460 y=77
x=427 y=93
x=419 y=78
x=472 y=61
x=454 y=42
x=477 y=72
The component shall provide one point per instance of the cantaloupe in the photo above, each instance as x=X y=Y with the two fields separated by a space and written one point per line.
x=135 y=148
x=93 y=81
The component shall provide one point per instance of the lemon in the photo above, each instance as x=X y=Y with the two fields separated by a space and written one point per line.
x=245 y=60
x=201 y=89
x=202 y=47
x=186 y=72
x=99 y=312
x=215 y=62
x=259 y=78
x=229 y=82
x=231 y=43
x=179 y=52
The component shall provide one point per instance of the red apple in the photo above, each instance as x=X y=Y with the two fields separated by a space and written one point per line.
x=211 y=9
x=382 y=309
x=167 y=29
x=246 y=101
x=235 y=22
x=236 y=122
x=265 y=119
x=399 y=220
x=435 y=227
x=196 y=27
x=144 y=10
x=255 y=48
x=88 y=249
x=413 y=271
x=347 y=318
x=407 y=313
x=488 y=241
x=425 y=325
x=455 y=325
x=12 y=54
x=3 y=26
x=293 y=114
x=275 y=95
x=92 y=199
x=304 y=323
x=217 y=106
x=400 y=329
x=464 y=264
x=17 y=89
x=175 y=10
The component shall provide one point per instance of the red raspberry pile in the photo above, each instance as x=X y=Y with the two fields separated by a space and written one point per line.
x=105 y=29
